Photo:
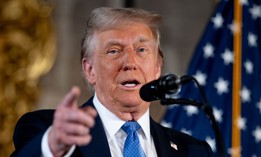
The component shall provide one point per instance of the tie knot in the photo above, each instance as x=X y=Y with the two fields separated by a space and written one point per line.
x=130 y=126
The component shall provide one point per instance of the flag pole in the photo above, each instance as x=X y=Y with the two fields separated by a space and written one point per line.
x=236 y=98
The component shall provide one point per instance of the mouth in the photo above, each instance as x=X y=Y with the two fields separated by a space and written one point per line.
x=130 y=83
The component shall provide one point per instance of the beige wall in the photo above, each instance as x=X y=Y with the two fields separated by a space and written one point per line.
x=184 y=22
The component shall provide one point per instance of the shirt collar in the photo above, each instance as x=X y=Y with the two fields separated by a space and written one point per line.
x=109 y=118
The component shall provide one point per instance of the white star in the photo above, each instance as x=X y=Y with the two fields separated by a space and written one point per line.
x=218 y=21
x=244 y=2
x=227 y=56
x=258 y=105
x=218 y=114
x=212 y=143
x=166 y=124
x=222 y=86
x=186 y=131
x=252 y=39
x=191 y=110
x=201 y=78
x=257 y=134
x=208 y=50
x=245 y=94
x=231 y=27
x=234 y=27
x=255 y=11
x=236 y=151
x=249 y=66
x=242 y=123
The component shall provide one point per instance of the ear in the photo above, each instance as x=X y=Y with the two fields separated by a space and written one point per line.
x=88 y=70
x=159 y=65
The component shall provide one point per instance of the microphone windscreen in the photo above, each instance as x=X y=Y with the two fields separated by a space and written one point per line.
x=150 y=92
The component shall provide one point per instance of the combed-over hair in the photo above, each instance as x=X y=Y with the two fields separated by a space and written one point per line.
x=105 y=18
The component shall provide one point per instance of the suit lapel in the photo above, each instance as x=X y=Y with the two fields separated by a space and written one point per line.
x=99 y=145
x=165 y=147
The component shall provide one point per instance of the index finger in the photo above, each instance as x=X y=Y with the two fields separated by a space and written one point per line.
x=71 y=97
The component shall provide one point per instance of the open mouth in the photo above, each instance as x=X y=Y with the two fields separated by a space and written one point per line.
x=130 y=83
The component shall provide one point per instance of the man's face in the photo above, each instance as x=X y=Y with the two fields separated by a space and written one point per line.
x=124 y=59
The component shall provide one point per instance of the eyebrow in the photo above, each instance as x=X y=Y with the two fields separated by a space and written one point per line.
x=112 y=42
x=140 y=39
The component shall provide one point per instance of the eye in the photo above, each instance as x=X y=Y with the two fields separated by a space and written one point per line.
x=142 y=49
x=113 y=51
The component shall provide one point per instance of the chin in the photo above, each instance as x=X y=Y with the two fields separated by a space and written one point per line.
x=132 y=102
x=129 y=98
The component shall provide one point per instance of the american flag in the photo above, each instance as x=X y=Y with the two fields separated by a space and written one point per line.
x=212 y=65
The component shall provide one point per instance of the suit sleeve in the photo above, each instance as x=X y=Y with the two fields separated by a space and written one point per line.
x=29 y=131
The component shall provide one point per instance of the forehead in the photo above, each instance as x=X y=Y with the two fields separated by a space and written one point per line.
x=133 y=32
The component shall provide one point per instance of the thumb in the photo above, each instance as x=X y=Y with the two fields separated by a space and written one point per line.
x=70 y=98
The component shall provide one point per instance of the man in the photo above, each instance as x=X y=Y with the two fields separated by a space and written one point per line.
x=120 y=53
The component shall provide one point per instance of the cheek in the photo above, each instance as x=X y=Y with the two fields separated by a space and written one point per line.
x=158 y=71
x=105 y=72
x=151 y=71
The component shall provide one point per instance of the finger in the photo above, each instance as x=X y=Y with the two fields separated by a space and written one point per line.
x=61 y=140
x=90 y=111
x=80 y=117
x=78 y=140
x=75 y=129
x=63 y=130
x=71 y=98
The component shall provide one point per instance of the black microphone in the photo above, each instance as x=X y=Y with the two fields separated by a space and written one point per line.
x=167 y=84
x=171 y=84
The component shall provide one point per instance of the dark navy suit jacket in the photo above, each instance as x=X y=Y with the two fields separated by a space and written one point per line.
x=31 y=127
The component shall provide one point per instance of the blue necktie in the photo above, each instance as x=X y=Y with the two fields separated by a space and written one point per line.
x=132 y=147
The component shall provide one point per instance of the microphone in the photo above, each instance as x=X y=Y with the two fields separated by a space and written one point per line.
x=167 y=84
x=171 y=84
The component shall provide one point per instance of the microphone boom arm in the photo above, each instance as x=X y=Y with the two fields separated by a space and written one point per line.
x=170 y=84
x=209 y=112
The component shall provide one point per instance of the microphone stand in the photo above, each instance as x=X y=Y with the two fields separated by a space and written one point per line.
x=205 y=107
x=208 y=110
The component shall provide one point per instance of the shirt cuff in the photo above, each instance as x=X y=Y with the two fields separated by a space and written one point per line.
x=46 y=151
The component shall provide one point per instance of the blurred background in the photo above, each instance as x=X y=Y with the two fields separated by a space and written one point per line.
x=40 y=50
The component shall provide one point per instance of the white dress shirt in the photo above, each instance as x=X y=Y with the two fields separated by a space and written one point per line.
x=115 y=135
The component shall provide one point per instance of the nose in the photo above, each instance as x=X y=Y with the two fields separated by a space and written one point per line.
x=129 y=62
